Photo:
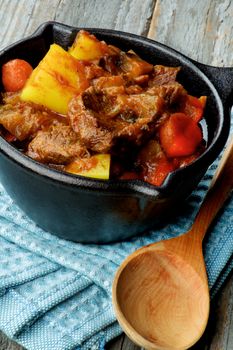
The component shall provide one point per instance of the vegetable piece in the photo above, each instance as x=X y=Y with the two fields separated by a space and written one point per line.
x=183 y=161
x=180 y=135
x=154 y=163
x=86 y=47
x=158 y=172
x=15 y=74
x=97 y=166
x=194 y=107
x=56 y=79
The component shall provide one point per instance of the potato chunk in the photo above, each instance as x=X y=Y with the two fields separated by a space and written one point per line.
x=97 y=166
x=87 y=47
x=56 y=79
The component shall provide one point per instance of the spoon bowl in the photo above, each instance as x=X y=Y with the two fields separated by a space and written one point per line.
x=158 y=282
x=160 y=292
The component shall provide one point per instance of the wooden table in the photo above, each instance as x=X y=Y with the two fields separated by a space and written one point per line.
x=201 y=29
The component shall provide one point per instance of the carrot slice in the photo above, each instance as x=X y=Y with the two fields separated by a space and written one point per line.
x=180 y=135
x=15 y=74
x=194 y=107
x=158 y=171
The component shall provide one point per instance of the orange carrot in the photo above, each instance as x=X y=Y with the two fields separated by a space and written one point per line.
x=15 y=74
x=157 y=173
x=194 y=107
x=180 y=135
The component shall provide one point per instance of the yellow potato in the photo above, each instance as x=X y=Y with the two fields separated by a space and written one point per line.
x=96 y=167
x=56 y=79
x=86 y=47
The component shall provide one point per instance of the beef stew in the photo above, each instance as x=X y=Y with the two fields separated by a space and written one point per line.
x=95 y=107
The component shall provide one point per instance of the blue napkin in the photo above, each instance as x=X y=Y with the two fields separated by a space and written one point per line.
x=56 y=294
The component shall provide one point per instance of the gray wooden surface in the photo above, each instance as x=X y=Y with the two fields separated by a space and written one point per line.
x=201 y=29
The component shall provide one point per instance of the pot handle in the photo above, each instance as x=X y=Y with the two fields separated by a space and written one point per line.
x=222 y=78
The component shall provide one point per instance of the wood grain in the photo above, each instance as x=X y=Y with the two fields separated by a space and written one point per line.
x=223 y=335
x=202 y=30
x=20 y=18
x=121 y=343
x=8 y=344
x=14 y=18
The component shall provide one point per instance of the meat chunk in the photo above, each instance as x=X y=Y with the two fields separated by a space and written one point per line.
x=86 y=126
x=58 y=144
x=118 y=84
x=92 y=71
x=23 y=119
x=100 y=118
x=127 y=63
x=163 y=75
x=171 y=93
x=108 y=82
x=133 y=65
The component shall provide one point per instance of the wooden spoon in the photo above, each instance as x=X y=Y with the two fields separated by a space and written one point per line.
x=160 y=292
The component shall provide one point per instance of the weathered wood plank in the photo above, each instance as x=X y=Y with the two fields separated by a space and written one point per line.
x=131 y=16
x=116 y=344
x=19 y=18
x=8 y=344
x=14 y=18
x=121 y=343
x=128 y=345
x=202 y=30
x=223 y=335
x=43 y=11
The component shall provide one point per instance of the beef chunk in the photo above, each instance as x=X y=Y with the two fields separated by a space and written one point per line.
x=163 y=75
x=127 y=63
x=100 y=118
x=24 y=119
x=85 y=124
x=93 y=71
x=171 y=93
x=133 y=65
x=110 y=82
x=58 y=144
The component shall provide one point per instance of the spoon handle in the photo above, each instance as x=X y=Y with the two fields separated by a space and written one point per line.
x=220 y=188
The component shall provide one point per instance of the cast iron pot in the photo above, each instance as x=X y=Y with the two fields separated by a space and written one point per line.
x=86 y=210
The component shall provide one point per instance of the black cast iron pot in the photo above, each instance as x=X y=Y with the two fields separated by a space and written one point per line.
x=86 y=210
